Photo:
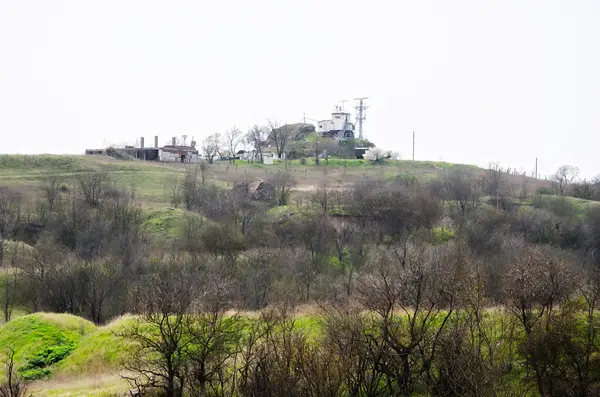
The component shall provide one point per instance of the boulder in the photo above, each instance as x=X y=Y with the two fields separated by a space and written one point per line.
x=261 y=191
x=258 y=190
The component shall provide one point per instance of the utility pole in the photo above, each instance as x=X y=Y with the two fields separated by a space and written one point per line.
x=536 y=168
x=361 y=115
x=304 y=117
x=413 y=146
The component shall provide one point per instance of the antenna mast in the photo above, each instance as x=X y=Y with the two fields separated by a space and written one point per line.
x=361 y=115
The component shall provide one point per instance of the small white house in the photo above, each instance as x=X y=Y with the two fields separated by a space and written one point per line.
x=269 y=158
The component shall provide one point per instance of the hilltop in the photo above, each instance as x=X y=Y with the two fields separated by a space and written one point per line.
x=150 y=179
x=152 y=182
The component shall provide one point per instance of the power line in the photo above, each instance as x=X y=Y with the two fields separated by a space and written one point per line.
x=361 y=115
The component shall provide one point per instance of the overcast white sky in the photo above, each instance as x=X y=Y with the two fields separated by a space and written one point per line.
x=478 y=81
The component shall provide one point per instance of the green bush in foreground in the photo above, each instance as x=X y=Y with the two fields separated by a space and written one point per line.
x=37 y=366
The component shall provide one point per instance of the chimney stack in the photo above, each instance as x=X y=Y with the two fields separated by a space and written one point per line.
x=156 y=141
x=174 y=141
x=142 y=142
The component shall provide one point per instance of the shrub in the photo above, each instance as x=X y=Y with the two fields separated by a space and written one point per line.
x=37 y=366
x=442 y=235
x=377 y=154
x=545 y=190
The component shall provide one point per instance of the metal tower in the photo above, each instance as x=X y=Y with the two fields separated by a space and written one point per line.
x=361 y=115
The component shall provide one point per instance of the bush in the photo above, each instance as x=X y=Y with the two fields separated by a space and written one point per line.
x=545 y=190
x=37 y=366
x=441 y=235
x=377 y=155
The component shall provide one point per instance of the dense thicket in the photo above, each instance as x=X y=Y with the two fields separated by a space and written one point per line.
x=464 y=285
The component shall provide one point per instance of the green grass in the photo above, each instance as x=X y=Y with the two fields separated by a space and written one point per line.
x=169 y=222
x=40 y=164
x=146 y=178
x=337 y=162
x=98 y=352
x=565 y=206
x=151 y=180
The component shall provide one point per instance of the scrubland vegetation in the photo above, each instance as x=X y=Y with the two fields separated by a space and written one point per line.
x=397 y=280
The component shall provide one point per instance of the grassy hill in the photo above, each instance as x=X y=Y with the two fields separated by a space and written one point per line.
x=31 y=168
x=151 y=179
x=70 y=354
x=148 y=179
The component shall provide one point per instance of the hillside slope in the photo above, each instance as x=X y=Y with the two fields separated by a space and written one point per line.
x=151 y=180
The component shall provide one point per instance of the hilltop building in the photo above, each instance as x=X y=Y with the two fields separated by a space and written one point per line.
x=339 y=127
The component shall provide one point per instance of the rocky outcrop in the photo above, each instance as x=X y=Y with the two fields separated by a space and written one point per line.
x=258 y=190
x=299 y=131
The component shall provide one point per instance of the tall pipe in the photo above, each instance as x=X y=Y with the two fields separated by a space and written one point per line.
x=156 y=141
x=174 y=141
x=142 y=142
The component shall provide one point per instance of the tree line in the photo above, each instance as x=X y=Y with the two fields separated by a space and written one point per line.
x=286 y=140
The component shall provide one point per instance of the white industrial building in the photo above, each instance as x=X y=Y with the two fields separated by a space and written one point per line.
x=339 y=126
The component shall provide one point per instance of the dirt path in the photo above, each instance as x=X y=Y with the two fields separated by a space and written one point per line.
x=87 y=386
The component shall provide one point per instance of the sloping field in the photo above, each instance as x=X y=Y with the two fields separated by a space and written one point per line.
x=151 y=180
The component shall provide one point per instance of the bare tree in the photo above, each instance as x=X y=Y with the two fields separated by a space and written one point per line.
x=13 y=385
x=463 y=193
x=280 y=135
x=316 y=235
x=322 y=197
x=215 y=335
x=93 y=186
x=173 y=186
x=10 y=217
x=537 y=282
x=203 y=167
x=565 y=175
x=212 y=146
x=51 y=187
x=322 y=146
x=257 y=136
x=161 y=333
x=424 y=292
x=233 y=137
x=283 y=182
x=191 y=186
